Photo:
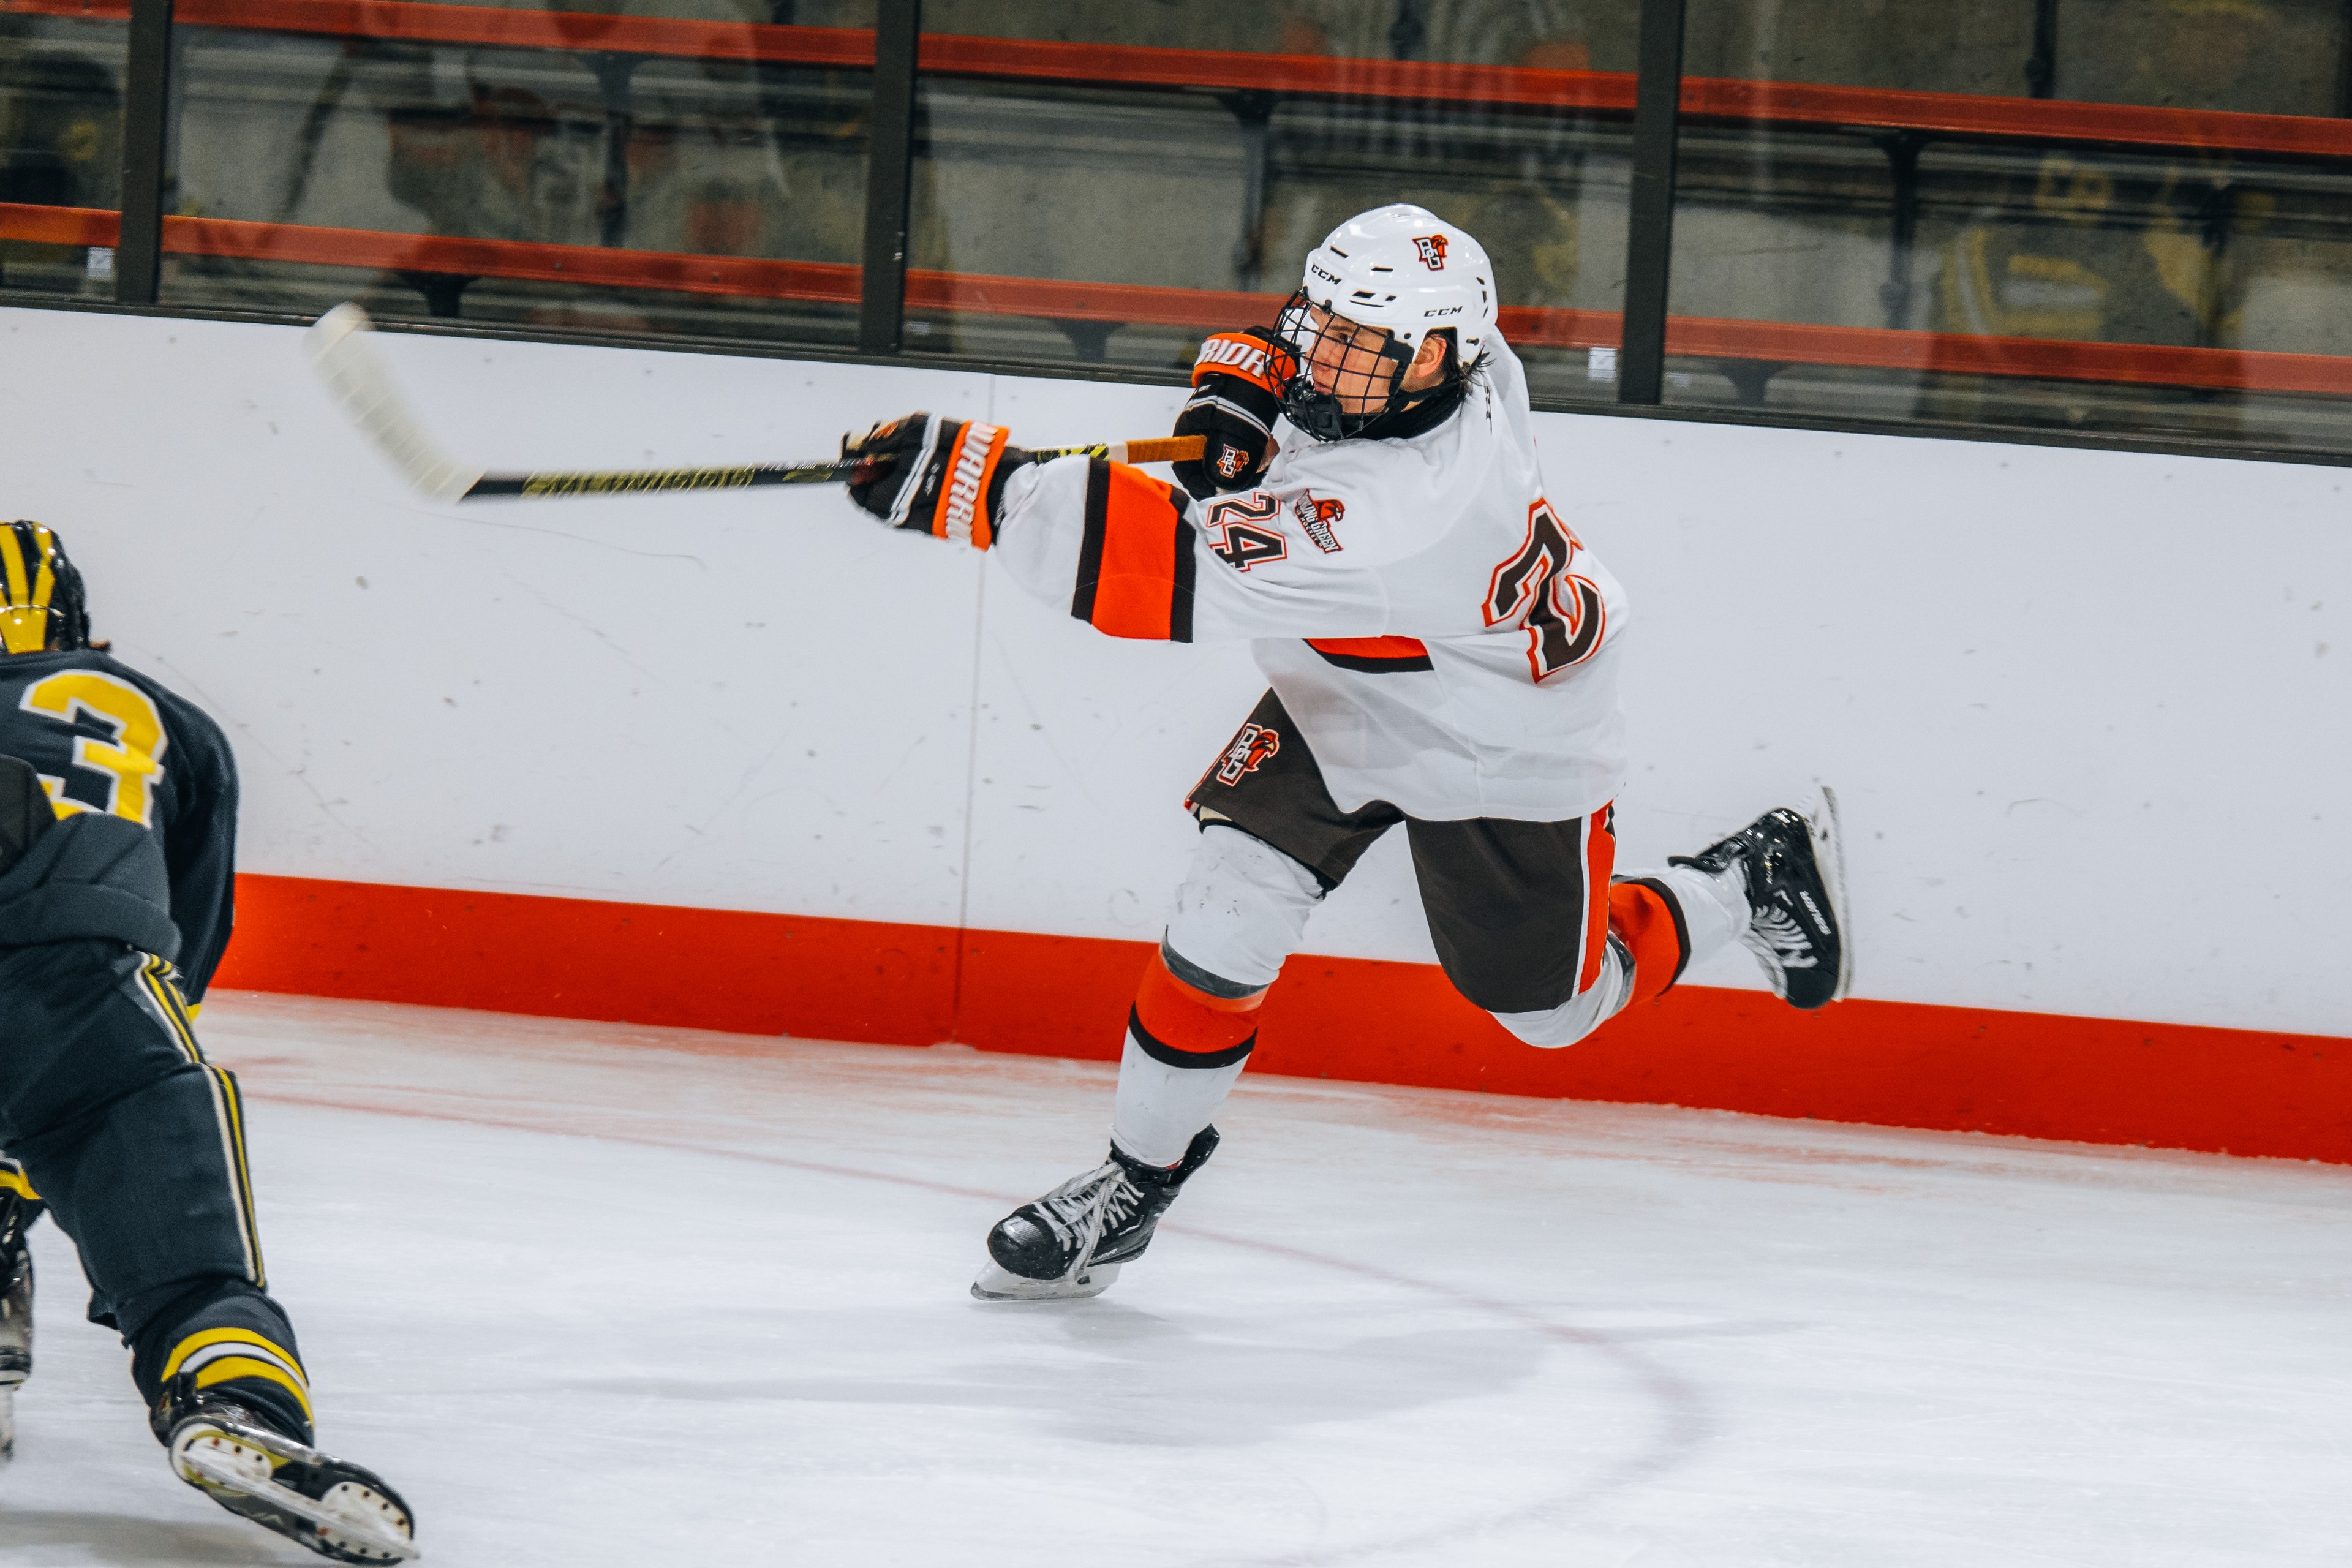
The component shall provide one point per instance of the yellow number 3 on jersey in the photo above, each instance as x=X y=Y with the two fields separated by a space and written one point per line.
x=127 y=761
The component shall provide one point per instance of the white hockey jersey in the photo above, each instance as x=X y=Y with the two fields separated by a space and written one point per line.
x=1440 y=635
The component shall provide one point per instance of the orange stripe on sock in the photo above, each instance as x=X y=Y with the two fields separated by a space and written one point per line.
x=1642 y=922
x=1600 y=859
x=1187 y=1018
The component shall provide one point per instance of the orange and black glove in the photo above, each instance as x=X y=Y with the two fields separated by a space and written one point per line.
x=940 y=477
x=1237 y=385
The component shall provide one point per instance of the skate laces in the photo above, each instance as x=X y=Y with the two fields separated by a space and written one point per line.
x=1085 y=1207
x=1776 y=930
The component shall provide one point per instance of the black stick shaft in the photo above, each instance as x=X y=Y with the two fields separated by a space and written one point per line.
x=650 y=481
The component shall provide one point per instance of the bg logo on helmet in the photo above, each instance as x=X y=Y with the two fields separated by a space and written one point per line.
x=1432 y=251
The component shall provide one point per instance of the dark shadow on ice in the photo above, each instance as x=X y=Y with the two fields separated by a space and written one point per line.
x=125 y=1543
x=1156 y=1385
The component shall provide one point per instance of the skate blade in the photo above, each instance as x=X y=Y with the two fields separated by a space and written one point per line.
x=8 y=1424
x=995 y=1284
x=1829 y=854
x=352 y=1518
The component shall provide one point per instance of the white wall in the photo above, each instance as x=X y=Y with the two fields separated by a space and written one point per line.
x=2087 y=709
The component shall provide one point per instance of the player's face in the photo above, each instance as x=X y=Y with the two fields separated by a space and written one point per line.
x=1345 y=359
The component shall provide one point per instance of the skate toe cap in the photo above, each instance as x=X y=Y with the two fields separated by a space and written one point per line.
x=1021 y=1246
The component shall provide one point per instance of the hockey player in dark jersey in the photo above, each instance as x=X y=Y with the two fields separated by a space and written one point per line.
x=1444 y=652
x=118 y=821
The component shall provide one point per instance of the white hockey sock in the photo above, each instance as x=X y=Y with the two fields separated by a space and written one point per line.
x=1162 y=1109
x=1715 y=907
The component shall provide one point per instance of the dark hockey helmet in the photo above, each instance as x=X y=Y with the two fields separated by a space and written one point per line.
x=41 y=604
x=1372 y=292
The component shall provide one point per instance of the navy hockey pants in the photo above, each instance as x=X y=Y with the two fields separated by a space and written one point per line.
x=136 y=1144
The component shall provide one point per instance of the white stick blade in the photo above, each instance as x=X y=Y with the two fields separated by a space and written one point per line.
x=339 y=350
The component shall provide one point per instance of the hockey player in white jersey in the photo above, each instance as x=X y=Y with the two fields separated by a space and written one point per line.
x=1442 y=651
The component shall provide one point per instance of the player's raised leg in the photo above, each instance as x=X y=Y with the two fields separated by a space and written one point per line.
x=1531 y=923
x=1789 y=867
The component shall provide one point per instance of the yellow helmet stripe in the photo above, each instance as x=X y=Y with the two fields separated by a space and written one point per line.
x=46 y=581
x=24 y=624
x=12 y=552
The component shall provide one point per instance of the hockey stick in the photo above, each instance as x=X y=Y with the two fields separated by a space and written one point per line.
x=347 y=362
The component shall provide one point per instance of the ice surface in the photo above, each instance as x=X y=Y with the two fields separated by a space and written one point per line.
x=594 y=1295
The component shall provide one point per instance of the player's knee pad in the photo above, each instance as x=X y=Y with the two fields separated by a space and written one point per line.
x=156 y=1194
x=1581 y=1013
x=1242 y=909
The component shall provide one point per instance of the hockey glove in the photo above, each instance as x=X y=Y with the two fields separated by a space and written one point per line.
x=1237 y=385
x=940 y=477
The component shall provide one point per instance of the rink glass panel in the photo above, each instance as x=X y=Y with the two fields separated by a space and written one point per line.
x=60 y=145
x=1993 y=238
x=538 y=147
x=1222 y=194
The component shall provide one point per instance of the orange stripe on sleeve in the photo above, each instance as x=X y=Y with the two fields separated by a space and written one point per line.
x=1135 y=562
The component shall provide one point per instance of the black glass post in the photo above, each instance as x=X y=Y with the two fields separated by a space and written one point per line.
x=146 y=113
x=889 y=177
x=1650 y=238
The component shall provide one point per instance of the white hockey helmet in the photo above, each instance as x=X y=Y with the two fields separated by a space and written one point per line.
x=1403 y=272
x=1405 y=269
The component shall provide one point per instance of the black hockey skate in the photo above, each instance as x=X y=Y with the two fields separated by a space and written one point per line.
x=335 y=1508
x=1071 y=1242
x=16 y=1315
x=1795 y=877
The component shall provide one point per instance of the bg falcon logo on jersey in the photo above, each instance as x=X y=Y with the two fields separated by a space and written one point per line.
x=1317 y=516
x=1432 y=251
x=1251 y=749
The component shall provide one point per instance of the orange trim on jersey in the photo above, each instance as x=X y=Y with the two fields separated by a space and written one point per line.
x=1640 y=916
x=1371 y=648
x=1600 y=859
x=1136 y=560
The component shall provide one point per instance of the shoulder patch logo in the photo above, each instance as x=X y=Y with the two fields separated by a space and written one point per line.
x=1432 y=251
x=1253 y=748
x=1318 y=516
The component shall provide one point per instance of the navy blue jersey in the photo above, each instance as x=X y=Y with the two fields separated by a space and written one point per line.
x=104 y=737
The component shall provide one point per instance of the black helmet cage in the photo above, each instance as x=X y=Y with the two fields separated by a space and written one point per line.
x=69 y=610
x=1366 y=366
